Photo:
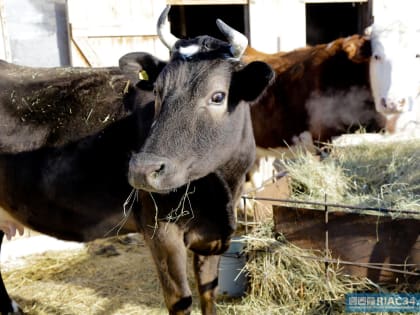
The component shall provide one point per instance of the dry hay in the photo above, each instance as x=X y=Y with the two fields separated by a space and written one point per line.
x=384 y=175
x=117 y=276
x=285 y=279
x=112 y=276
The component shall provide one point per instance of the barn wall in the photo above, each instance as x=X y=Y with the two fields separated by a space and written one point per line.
x=35 y=32
x=385 y=11
x=117 y=27
x=4 y=45
x=277 y=25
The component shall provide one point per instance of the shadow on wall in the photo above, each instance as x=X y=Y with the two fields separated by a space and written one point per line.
x=37 y=32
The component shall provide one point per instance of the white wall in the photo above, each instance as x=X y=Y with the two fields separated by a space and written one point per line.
x=385 y=11
x=277 y=25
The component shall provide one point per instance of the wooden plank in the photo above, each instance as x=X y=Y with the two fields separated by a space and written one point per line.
x=77 y=59
x=360 y=239
x=106 y=51
x=86 y=50
x=207 y=2
x=104 y=30
x=114 y=17
x=113 y=30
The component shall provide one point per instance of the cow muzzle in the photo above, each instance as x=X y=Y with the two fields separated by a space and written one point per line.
x=154 y=173
x=394 y=105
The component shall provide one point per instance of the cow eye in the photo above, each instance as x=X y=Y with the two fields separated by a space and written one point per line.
x=376 y=57
x=417 y=55
x=217 y=98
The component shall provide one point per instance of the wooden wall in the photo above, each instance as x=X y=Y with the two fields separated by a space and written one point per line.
x=104 y=30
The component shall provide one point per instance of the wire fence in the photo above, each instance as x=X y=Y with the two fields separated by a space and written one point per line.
x=334 y=207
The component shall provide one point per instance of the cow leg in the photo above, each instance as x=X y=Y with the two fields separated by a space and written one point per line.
x=206 y=274
x=170 y=256
x=7 y=305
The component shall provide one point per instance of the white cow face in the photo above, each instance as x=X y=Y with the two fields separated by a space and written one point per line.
x=395 y=68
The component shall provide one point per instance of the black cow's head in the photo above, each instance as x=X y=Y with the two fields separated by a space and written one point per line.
x=203 y=124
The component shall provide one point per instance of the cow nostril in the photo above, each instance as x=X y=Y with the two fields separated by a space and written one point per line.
x=159 y=170
x=383 y=103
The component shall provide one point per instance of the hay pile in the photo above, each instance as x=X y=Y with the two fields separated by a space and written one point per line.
x=117 y=276
x=112 y=276
x=384 y=175
x=283 y=280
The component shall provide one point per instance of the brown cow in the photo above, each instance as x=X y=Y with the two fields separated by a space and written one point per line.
x=323 y=89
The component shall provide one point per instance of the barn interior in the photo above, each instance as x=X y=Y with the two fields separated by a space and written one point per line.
x=192 y=20
x=328 y=21
x=325 y=21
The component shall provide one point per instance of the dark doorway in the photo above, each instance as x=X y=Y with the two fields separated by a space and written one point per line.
x=192 y=20
x=326 y=22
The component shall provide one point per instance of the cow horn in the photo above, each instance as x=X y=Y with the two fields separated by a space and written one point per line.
x=163 y=30
x=238 y=40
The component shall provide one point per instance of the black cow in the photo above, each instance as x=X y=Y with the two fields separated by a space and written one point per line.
x=66 y=135
x=53 y=106
x=186 y=174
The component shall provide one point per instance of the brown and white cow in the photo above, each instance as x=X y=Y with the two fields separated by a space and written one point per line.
x=323 y=89
x=395 y=73
x=186 y=174
x=319 y=92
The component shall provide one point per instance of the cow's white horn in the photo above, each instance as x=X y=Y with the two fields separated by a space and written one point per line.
x=238 y=40
x=163 y=29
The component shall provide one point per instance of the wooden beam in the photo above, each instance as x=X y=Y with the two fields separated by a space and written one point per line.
x=88 y=53
x=114 y=30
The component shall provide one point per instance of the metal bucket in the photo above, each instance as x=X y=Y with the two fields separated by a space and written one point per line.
x=232 y=279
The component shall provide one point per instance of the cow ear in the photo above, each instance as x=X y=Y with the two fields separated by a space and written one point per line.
x=250 y=82
x=358 y=48
x=141 y=68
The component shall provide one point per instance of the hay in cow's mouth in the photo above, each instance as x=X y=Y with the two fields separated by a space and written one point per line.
x=384 y=175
